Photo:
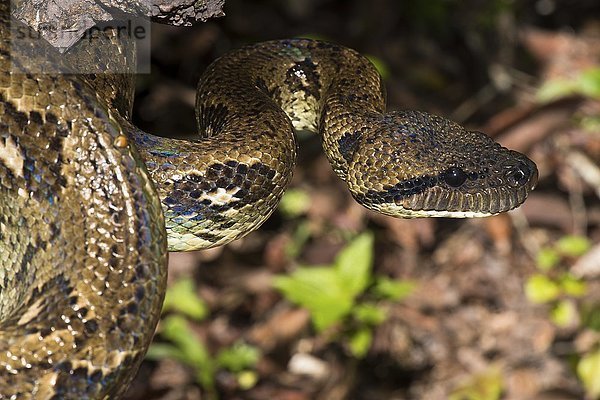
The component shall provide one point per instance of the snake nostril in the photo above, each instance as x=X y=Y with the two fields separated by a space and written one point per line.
x=454 y=176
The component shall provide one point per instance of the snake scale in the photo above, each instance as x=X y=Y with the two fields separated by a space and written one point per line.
x=85 y=196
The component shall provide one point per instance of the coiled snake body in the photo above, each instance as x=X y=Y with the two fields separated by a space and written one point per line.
x=83 y=244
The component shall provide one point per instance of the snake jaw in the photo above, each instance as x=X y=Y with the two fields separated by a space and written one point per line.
x=441 y=202
x=468 y=196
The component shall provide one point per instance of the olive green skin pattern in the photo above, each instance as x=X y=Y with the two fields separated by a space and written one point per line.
x=85 y=224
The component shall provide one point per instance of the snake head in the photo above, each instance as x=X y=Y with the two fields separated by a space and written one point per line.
x=414 y=164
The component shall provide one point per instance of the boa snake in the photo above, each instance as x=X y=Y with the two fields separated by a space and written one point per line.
x=83 y=244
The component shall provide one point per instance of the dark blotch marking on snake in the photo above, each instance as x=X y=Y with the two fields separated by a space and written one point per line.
x=400 y=190
x=39 y=182
x=453 y=177
x=187 y=196
x=303 y=76
x=348 y=144
x=28 y=255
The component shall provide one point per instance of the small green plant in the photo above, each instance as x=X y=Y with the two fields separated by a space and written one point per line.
x=381 y=66
x=561 y=290
x=484 y=386
x=182 y=298
x=588 y=370
x=556 y=288
x=182 y=344
x=294 y=203
x=345 y=293
x=586 y=83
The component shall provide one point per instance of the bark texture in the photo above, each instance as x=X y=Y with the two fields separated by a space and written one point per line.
x=64 y=23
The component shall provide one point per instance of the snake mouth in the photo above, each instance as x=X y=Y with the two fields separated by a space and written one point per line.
x=456 y=194
x=437 y=202
x=507 y=190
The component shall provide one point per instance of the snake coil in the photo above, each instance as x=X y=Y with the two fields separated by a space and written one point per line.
x=85 y=196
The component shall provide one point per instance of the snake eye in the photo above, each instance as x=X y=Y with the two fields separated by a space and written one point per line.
x=454 y=176
x=519 y=174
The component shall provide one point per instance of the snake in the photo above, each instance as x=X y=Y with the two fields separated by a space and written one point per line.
x=90 y=205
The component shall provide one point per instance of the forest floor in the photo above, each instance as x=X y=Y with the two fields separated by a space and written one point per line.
x=506 y=307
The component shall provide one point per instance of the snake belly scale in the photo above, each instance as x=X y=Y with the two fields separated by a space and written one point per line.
x=89 y=204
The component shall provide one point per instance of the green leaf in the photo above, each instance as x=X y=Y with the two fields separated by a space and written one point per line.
x=485 y=386
x=588 y=370
x=591 y=316
x=573 y=245
x=239 y=357
x=294 y=203
x=329 y=292
x=360 y=342
x=380 y=66
x=369 y=314
x=319 y=289
x=159 y=351
x=564 y=313
x=541 y=289
x=175 y=328
x=354 y=262
x=315 y=36
x=590 y=123
x=555 y=89
x=547 y=259
x=572 y=286
x=192 y=351
x=182 y=297
x=247 y=379
x=393 y=289
x=589 y=82
x=301 y=236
